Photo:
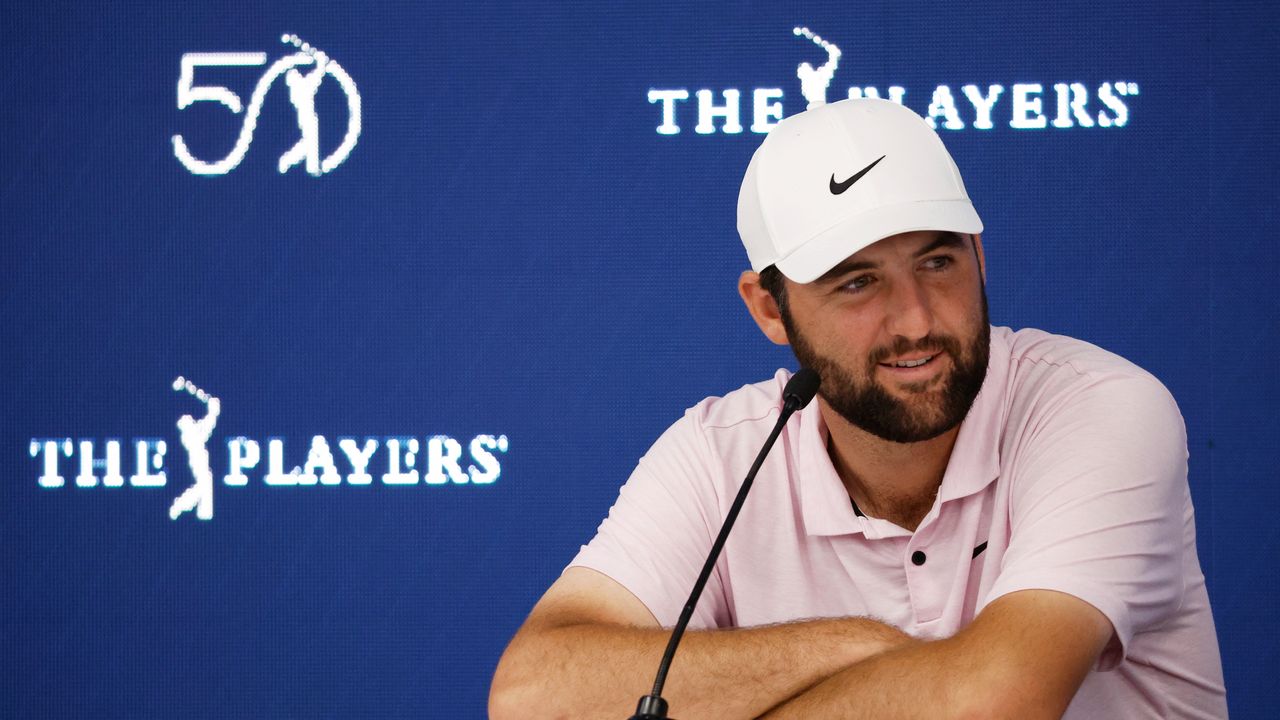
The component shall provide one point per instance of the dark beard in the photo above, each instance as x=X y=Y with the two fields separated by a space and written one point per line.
x=865 y=403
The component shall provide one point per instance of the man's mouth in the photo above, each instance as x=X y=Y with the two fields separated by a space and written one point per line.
x=910 y=363
x=913 y=369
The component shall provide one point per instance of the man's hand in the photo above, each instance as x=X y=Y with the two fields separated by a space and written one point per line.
x=1023 y=657
x=590 y=649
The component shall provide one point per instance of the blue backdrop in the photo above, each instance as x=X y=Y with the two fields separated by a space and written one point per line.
x=492 y=260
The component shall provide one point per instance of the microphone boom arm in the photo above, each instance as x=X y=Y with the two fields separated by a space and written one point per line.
x=799 y=390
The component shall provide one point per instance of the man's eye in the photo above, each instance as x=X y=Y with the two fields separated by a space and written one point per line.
x=859 y=283
x=938 y=263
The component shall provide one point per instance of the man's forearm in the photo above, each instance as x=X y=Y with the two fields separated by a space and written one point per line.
x=600 y=671
x=1023 y=657
x=908 y=682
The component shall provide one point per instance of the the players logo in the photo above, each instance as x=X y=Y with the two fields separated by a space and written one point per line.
x=434 y=461
x=303 y=72
x=1062 y=105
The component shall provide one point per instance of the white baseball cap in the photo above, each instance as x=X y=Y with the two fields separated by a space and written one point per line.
x=827 y=182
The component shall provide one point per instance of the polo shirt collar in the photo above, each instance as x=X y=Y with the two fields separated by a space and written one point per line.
x=975 y=460
x=824 y=501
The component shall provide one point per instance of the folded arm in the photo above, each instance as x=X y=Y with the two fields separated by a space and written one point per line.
x=1023 y=657
x=590 y=649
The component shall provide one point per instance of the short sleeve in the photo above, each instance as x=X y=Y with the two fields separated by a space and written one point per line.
x=659 y=531
x=1097 y=506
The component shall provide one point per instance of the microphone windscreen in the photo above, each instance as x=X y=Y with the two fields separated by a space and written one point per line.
x=802 y=386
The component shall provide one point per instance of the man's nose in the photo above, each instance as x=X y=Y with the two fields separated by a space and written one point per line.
x=907 y=313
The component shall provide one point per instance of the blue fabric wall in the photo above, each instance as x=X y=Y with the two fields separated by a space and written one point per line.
x=512 y=250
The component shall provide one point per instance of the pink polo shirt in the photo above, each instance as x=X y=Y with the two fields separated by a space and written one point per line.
x=1069 y=473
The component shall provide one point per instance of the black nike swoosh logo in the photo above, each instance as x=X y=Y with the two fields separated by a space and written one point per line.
x=978 y=550
x=839 y=187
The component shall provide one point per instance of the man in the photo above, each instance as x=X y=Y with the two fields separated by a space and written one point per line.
x=969 y=522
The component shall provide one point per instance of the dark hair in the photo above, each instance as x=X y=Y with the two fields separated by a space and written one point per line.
x=771 y=279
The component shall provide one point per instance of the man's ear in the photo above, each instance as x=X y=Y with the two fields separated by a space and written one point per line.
x=982 y=259
x=763 y=308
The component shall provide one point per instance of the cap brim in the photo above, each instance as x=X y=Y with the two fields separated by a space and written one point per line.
x=813 y=259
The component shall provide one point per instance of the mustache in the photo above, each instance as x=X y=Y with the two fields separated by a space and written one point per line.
x=930 y=344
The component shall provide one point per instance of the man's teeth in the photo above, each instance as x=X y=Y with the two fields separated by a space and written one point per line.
x=912 y=363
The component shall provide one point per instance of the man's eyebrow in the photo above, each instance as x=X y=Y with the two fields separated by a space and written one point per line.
x=845 y=268
x=950 y=240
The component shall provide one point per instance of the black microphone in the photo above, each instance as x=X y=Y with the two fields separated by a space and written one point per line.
x=797 y=393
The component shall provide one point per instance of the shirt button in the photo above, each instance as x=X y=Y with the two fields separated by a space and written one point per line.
x=917 y=558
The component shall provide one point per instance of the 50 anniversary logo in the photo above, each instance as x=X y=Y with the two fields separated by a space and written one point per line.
x=302 y=85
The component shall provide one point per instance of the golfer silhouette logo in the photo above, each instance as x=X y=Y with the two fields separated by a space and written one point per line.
x=195 y=436
x=815 y=81
x=302 y=93
x=304 y=72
